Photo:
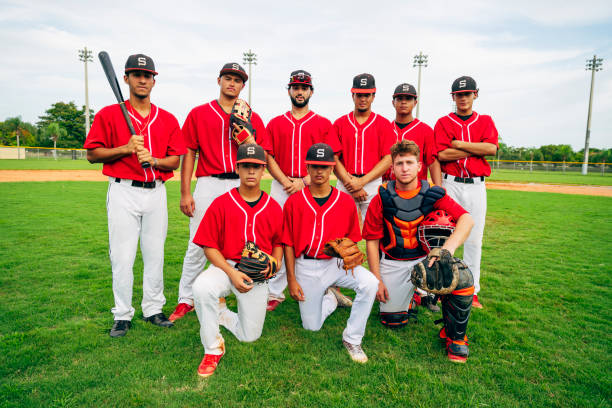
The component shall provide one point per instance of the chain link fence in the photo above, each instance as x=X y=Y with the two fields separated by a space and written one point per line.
x=34 y=153
x=551 y=166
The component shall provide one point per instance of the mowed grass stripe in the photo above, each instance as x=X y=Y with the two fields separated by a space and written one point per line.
x=542 y=339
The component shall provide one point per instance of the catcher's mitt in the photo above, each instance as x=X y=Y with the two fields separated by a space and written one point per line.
x=442 y=277
x=256 y=264
x=346 y=249
x=241 y=116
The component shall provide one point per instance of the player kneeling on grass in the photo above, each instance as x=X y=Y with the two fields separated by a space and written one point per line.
x=391 y=226
x=313 y=217
x=233 y=223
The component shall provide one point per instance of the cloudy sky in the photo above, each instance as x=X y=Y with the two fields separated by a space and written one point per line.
x=528 y=57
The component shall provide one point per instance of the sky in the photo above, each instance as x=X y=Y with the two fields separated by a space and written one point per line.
x=527 y=57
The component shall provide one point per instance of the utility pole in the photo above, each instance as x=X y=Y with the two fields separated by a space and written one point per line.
x=592 y=65
x=419 y=60
x=85 y=56
x=249 y=58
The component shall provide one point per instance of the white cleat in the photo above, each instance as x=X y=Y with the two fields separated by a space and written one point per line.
x=356 y=352
x=343 y=300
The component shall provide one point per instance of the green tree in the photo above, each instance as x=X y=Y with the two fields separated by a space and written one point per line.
x=11 y=127
x=54 y=132
x=69 y=117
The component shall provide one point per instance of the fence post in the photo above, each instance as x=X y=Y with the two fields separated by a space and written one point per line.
x=603 y=167
x=563 y=166
x=531 y=166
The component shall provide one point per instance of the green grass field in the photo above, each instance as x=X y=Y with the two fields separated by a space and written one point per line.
x=551 y=177
x=541 y=341
x=48 y=164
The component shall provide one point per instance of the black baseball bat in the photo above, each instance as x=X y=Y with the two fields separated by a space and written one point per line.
x=107 y=66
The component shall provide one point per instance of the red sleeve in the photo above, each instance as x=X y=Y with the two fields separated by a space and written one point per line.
x=373 y=226
x=287 y=238
x=333 y=138
x=210 y=231
x=98 y=133
x=176 y=143
x=490 y=134
x=449 y=205
x=441 y=138
x=268 y=142
x=388 y=138
x=260 y=129
x=190 y=135
x=429 y=154
x=324 y=128
x=354 y=232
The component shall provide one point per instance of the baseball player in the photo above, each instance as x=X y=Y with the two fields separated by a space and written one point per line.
x=390 y=230
x=243 y=214
x=364 y=139
x=463 y=139
x=207 y=133
x=288 y=137
x=313 y=217
x=136 y=201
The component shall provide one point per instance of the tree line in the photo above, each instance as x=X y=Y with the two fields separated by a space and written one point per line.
x=63 y=125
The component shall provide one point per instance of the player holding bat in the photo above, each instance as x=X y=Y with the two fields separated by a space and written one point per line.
x=136 y=197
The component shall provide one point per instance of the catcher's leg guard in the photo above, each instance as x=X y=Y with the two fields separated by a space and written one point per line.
x=456 y=309
x=412 y=311
x=394 y=320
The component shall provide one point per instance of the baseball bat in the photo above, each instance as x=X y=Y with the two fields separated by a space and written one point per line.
x=107 y=65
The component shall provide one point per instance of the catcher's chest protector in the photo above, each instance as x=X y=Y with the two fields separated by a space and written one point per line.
x=402 y=217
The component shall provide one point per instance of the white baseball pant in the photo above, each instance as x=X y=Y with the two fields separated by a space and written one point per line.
x=137 y=213
x=396 y=277
x=278 y=284
x=315 y=276
x=246 y=325
x=473 y=198
x=206 y=190
x=371 y=188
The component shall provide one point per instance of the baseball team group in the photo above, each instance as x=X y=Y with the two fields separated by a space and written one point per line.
x=411 y=226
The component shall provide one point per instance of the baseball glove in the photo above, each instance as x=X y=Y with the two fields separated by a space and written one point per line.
x=346 y=249
x=256 y=264
x=442 y=277
x=241 y=116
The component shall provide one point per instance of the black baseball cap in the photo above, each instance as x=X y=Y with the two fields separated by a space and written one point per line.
x=320 y=154
x=140 y=62
x=251 y=153
x=364 y=83
x=464 y=84
x=234 y=68
x=300 y=77
x=405 y=89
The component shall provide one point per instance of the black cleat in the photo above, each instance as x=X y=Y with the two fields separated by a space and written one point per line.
x=159 y=319
x=120 y=328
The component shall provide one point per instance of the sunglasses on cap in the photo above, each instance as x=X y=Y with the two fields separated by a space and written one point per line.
x=300 y=78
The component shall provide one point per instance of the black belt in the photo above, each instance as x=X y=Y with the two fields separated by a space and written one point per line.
x=309 y=257
x=465 y=180
x=357 y=175
x=143 y=184
x=225 y=176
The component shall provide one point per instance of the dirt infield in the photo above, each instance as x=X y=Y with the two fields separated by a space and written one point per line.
x=96 y=175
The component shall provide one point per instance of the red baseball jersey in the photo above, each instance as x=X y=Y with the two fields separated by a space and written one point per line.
x=288 y=139
x=362 y=146
x=308 y=226
x=373 y=226
x=421 y=134
x=230 y=222
x=207 y=129
x=162 y=137
x=478 y=128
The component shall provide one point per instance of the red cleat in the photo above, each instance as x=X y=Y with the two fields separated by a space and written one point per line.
x=181 y=310
x=476 y=303
x=209 y=364
x=272 y=304
x=457 y=350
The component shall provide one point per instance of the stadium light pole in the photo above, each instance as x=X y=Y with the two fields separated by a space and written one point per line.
x=249 y=58
x=420 y=61
x=592 y=65
x=85 y=56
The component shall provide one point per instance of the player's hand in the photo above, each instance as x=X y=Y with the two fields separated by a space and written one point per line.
x=354 y=184
x=360 y=195
x=307 y=180
x=382 y=295
x=290 y=187
x=432 y=260
x=295 y=290
x=241 y=281
x=144 y=155
x=299 y=184
x=134 y=142
x=187 y=205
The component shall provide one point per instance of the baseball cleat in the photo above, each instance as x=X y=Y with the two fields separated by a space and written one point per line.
x=209 y=364
x=476 y=303
x=343 y=300
x=181 y=310
x=120 y=328
x=457 y=350
x=159 y=319
x=356 y=352
x=272 y=304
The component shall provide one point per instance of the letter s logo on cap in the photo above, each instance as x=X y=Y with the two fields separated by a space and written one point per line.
x=462 y=83
x=320 y=153
x=236 y=67
x=251 y=150
x=142 y=61
x=364 y=81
